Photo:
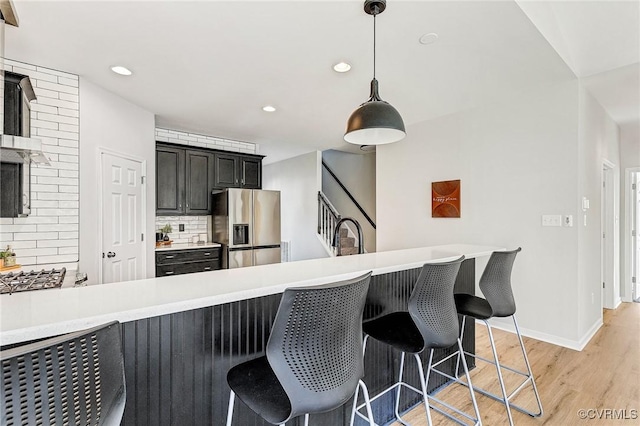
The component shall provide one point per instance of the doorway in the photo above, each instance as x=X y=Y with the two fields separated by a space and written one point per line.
x=633 y=233
x=123 y=218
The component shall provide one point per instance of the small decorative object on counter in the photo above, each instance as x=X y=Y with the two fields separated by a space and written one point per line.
x=167 y=229
x=81 y=278
x=8 y=258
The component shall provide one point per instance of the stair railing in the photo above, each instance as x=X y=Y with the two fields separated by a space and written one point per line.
x=346 y=191
x=328 y=216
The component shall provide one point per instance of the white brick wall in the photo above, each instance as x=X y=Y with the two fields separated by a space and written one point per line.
x=202 y=141
x=193 y=226
x=50 y=233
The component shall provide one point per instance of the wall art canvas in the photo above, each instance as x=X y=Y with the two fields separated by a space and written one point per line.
x=445 y=198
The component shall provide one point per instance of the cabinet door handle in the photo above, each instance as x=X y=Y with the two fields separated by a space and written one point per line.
x=169 y=257
x=207 y=254
x=187 y=205
x=169 y=273
x=208 y=268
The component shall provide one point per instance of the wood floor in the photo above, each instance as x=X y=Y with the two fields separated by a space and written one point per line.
x=604 y=375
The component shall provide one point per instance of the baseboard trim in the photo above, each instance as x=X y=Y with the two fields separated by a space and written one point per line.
x=576 y=345
x=618 y=303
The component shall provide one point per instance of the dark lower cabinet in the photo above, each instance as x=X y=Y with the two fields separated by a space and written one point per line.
x=177 y=262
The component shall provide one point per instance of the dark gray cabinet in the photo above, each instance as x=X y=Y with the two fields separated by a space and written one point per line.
x=199 y=179
x=184 y=179
x=226 y=171
x=177 y=262
x=237 y=171
x=169 y=180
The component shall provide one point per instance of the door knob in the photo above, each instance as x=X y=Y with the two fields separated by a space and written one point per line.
x=111 y=254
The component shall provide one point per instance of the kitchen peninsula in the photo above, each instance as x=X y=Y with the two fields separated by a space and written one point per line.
x=182 y=333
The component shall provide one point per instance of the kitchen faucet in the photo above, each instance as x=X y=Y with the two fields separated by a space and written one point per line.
x=336 y=234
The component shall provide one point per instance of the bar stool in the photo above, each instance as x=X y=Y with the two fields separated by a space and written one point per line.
x=313 y=360
x=430 y=323
x=495 y=284
x=77 y=378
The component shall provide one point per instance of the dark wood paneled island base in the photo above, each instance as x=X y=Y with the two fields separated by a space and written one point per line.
x=176 y=364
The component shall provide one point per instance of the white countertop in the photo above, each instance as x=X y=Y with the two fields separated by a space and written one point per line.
x=35 y=314
x=186 y=246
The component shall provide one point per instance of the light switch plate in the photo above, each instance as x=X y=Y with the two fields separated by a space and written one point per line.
x=551 y=220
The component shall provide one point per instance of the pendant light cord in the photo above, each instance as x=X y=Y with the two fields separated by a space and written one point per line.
x=374 y=45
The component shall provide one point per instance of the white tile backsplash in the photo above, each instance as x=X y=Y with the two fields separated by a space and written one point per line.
x=50 y=233
x=193 y=226
x=203 y=141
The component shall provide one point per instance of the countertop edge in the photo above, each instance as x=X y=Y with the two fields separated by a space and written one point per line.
x=251 y=290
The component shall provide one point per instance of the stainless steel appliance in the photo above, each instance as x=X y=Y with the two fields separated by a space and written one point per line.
x=246 y=222
x=17 y=149
x=34 y=280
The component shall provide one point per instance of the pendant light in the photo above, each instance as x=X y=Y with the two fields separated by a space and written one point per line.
x=375 y=122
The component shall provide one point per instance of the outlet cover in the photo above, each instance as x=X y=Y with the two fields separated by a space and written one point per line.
x=551 y=220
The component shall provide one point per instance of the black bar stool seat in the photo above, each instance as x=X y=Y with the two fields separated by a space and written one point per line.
x=396 y=329
x=474 y=306
x=260 y=389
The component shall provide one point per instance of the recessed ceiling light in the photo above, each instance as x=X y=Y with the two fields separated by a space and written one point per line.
x=341 y=67
x=118 y=69
x=428 y=38
x=269 y=108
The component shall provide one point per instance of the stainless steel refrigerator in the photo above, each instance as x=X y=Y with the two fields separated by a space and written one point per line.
x=246 y=222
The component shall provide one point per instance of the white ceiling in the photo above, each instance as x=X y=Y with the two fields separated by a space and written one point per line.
x=600 y=41
x=209 y=67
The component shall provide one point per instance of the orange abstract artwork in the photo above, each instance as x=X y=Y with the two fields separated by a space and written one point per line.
x=445 y=198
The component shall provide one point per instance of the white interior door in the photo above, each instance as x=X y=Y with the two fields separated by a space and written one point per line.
x=609 y=297
x=122 y=230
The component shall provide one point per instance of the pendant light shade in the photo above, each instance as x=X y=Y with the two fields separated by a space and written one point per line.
x=375 y=122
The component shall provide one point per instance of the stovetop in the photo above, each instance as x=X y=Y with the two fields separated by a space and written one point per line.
x=34 y=280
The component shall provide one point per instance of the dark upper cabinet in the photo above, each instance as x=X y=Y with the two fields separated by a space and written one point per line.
x=185 y=177
x=170 y=180
x=237 y=171
x=199 y=179
x=226 y=171
x=251 y=172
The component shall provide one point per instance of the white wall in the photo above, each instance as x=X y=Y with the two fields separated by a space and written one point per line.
x=517 y=160
x=111 y=122
x=598 y=141
x=358 y=173
x=299 y=180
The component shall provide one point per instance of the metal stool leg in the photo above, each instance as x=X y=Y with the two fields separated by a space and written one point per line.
x=400 y=374
x=232 y=399
x=530 y=373
x=460 y=352
x=423 y=383
x=470 y=386
x=505 y=399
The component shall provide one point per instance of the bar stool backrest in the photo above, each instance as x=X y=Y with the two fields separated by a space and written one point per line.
x=432 y=306
x=315 y=346
x=495 y=282
x=74 y=379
